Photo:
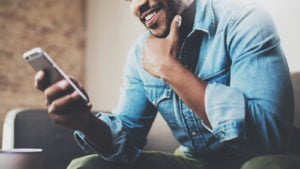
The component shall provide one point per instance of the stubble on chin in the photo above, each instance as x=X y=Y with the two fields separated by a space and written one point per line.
x=165 y=30
x=163 y=34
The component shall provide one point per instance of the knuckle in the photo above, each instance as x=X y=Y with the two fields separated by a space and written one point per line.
x=47 y=92
x=57 y=120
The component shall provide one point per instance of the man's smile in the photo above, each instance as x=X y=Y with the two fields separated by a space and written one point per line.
x=150 y=16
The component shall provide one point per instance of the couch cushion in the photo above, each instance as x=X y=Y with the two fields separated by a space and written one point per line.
x=296 y=85
x=32 y=128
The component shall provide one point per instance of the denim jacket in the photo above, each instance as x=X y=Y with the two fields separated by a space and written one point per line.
x=248 y=99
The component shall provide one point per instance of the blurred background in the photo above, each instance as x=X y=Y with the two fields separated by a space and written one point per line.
x=89 y=39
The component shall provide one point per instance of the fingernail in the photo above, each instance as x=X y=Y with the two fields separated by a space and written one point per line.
x=40 y=73
x=63 y=83
x=75 y=95
x=178 y=20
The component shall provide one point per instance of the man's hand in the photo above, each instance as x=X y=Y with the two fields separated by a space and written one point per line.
x=158 y=53
x=65 y=106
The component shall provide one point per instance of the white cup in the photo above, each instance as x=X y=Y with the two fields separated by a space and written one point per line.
x=21 y=158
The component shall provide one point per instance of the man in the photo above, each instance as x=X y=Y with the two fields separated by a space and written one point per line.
x=213 y=69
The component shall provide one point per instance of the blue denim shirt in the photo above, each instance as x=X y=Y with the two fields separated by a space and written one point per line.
x=248 y=99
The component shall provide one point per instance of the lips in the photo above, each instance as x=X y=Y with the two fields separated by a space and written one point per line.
x=149 y=16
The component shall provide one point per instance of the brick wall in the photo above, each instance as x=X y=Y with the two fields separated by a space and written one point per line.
x=55 y=25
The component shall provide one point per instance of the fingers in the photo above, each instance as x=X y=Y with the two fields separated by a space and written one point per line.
x=65 y=104
x=69 y=111
x=56 y=91
x=40 y=80
x=61 y=94
x=80 y=86
x=72 y=116
x=174 y=29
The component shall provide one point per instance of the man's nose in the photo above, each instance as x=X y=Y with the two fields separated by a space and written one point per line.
x=136 y=6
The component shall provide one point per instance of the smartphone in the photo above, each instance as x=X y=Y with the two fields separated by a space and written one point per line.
x=40 y=60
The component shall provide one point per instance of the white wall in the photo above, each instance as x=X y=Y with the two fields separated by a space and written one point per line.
x=286 y=15
x=112 y=28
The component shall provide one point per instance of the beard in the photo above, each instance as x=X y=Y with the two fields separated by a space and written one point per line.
x=162 y=29
x=166 y=29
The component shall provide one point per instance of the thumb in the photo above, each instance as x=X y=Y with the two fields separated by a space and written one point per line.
x=174 y=28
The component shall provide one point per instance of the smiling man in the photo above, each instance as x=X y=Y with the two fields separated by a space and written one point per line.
x=215 y=71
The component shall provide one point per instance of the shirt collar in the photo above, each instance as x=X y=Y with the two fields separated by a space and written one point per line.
x=204 y=17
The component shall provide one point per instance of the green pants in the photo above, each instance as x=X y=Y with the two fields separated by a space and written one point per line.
x=161 y=160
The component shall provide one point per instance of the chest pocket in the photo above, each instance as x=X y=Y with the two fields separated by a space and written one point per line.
x=160 y=95
x=157 y=91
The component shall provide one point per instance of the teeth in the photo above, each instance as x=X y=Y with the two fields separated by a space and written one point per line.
x=150 y=16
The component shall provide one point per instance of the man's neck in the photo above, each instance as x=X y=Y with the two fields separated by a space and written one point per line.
x=188 y=16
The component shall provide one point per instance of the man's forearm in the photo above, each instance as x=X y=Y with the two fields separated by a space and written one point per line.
x=187 y=86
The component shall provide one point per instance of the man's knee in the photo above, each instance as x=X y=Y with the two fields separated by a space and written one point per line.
x=273 y=162
x=87 y=162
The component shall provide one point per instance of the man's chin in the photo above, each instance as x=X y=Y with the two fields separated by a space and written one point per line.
x=159 y=34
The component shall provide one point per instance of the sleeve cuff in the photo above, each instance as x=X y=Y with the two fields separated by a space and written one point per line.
x=123 y=150
x=225 y=109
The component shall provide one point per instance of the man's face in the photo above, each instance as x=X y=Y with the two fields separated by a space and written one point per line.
x=156 y=15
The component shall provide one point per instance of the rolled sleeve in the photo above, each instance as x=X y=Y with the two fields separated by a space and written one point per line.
x=225 y=108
